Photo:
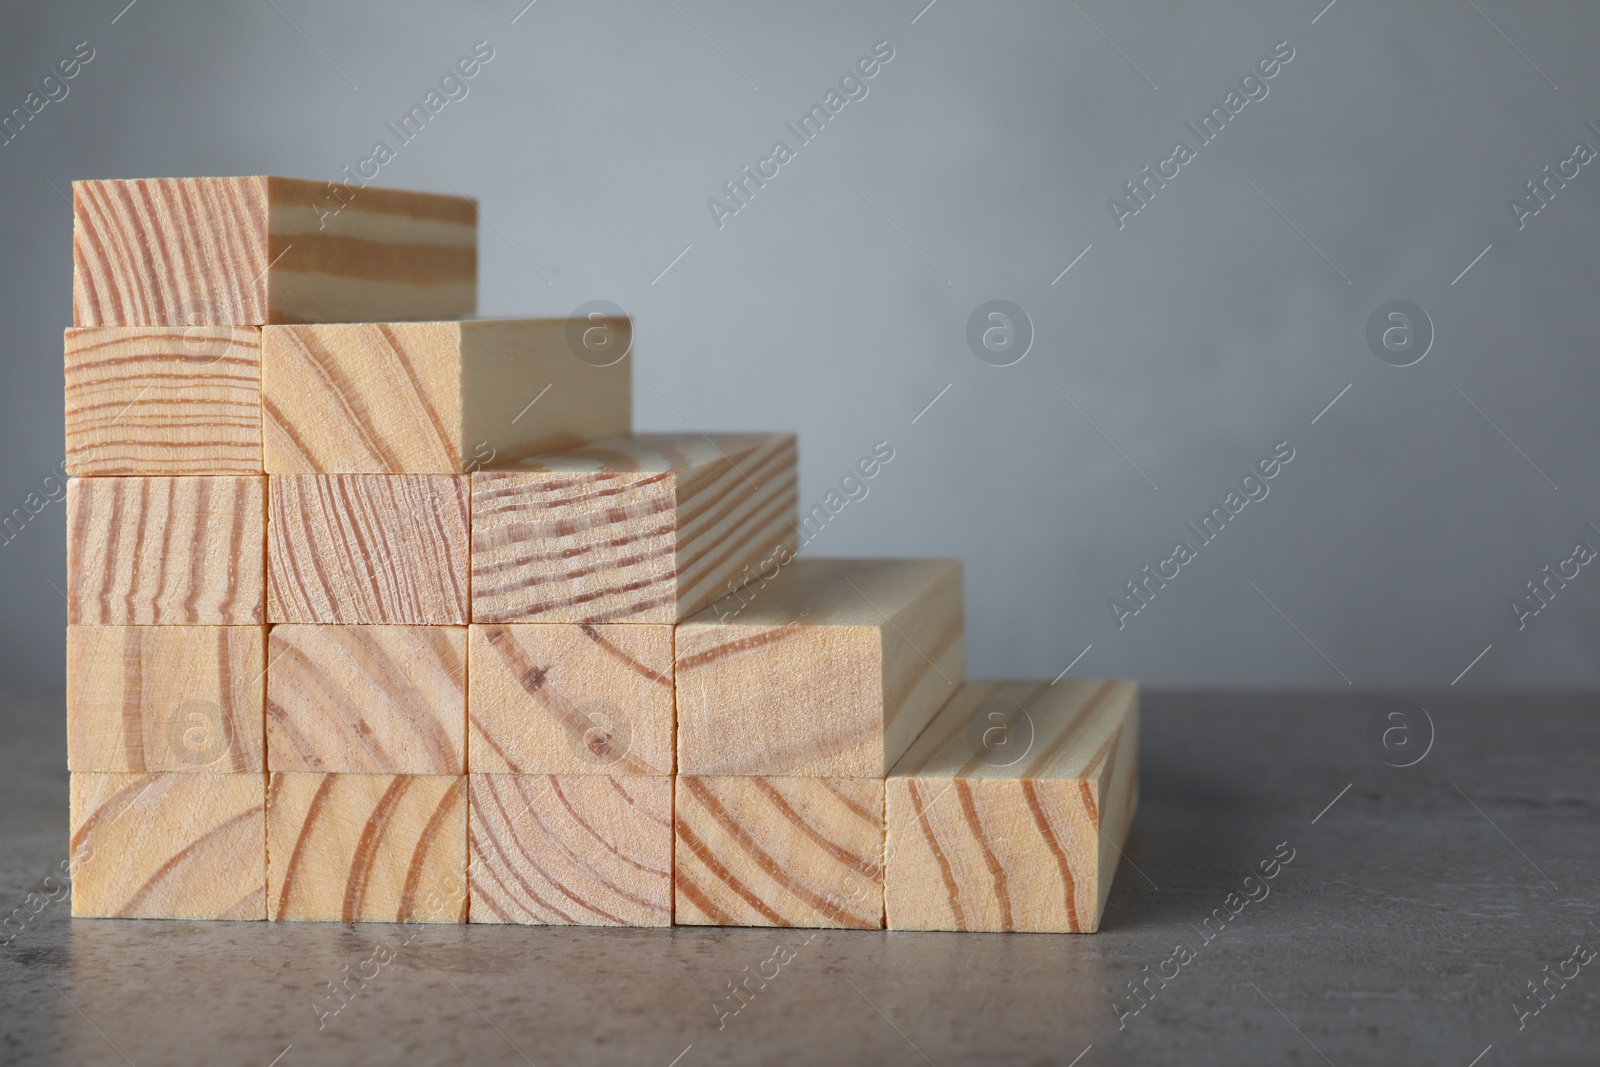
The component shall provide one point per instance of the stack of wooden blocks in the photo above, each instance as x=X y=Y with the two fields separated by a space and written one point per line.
x=381 y=613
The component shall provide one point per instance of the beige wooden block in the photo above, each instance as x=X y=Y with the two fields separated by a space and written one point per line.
x=165 y=698
x=168 y=846
x=163 y=400
x=570 y=698
x=1010 y=811
x=252 y=250
x=778 y=852
x=630 y=529
x=367 y=847
x=579 y=850
x=367 y=549
x=831 y=669
x=434 y=397
x=160 y=551
x=367 y=699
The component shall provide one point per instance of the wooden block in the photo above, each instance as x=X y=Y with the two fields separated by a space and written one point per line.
x=367 y=699
x=367 y=549
x=778 y=852
x=629 y=529
x=168 y=846
x=567 y=698
x=165 y=698
x=577 y=850
x=248 y=251
x=163 y=400
x=159 y=551
x=1010 y=810
x=830 y=669
x=433 y=397
x=367 y=847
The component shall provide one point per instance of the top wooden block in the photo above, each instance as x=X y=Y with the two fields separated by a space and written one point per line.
x=436 y=397
x=649 y=528
x=249 y=251
x=830 y=668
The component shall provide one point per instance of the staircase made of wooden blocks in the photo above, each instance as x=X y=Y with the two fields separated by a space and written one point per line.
x=380 y=613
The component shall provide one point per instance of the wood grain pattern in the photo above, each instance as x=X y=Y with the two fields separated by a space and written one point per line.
x=1008 y=813
x=253 y=250
x=778 y=852
x=571 y=850
x=159 y=551
x=367 y=699
x=367 y=847
x=831 y=669
x=168 y=846
x=163 y=400
x=165 y=698
x=565 y=698
x=367 y=549
x=630 y=529
x=431 y=397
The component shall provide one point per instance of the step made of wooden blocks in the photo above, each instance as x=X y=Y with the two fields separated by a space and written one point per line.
x=433 y=397
x=163 y=400
x=248 y=251
x=778 y=852
x=159 y=550
x=832 y=668
x=630 y=529
x=1010 y=810
x=367 y=549
x=367 y=699
x=168 y=846
x=566 y=698
x=367 y=847
x=165 y=698
x=579 y=849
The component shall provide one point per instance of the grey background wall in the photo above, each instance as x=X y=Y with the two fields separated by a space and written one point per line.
x=1176 y=352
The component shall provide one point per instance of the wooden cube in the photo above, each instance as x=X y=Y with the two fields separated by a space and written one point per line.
x=1009 y=812
x=161 y=551
x=433 y=397
x=168 y=846
x=629 y=529
x=367 y=847
x=252 y=250
x=778 y=852
x=367 y=699
x=565 y=698
x=163 y=400
x=571 y=850
x=831 y=668
x=367 y=549
x=165 y=698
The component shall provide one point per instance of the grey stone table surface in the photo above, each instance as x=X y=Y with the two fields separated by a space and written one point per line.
x=1419 y=903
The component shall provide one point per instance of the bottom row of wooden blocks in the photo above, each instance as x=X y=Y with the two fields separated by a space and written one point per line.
x=1007 y=813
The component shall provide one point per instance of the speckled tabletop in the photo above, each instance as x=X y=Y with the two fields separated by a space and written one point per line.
x=1419 y=903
